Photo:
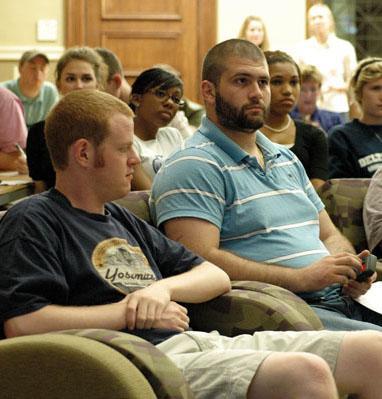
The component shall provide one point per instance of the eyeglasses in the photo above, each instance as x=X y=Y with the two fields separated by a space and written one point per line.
x=163 y=96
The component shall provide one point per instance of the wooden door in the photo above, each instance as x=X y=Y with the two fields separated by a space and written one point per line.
x=146 y=32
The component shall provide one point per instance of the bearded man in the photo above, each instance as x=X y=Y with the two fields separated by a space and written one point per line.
x=246 y=204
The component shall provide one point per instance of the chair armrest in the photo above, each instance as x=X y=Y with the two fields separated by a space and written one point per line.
x=166 y=380
x=61 y=366
x=254 y=306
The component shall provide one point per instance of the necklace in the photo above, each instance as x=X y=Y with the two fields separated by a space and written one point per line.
x=283 y=128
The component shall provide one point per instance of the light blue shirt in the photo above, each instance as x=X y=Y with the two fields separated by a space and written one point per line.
x=270 y=215
x=37 y=108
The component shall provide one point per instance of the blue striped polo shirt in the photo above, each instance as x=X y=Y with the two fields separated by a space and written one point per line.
x=269 y=215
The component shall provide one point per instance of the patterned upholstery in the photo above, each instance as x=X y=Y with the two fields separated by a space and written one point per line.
x=250 y=306
x=60 y=366
x=165 y=378
x=137 y=202
x=253 y=306
x=343 y=199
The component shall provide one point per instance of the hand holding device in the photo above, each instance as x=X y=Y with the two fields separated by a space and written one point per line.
x=369 y=265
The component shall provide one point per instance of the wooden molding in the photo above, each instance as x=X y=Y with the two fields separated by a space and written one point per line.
x=13 y=53
x=75 y=23
x=142 y=16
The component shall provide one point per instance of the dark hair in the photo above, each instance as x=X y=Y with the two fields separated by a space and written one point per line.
x=214 y=62
x=111 y=60
x=154 y=78
x=275 y=57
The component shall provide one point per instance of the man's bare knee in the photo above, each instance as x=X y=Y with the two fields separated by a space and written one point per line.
x=358 y=361
x=293 y=375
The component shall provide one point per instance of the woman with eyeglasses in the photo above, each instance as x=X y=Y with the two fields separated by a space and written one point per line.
x=156 y=96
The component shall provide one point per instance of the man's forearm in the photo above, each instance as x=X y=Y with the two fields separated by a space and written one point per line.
x=200 y=284
x=54 y=318
x=244 y=269
x=337 y=243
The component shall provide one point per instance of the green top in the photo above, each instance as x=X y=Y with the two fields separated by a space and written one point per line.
x=35 y=109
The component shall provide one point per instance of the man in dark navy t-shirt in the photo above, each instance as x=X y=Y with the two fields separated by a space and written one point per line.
x=71 y=260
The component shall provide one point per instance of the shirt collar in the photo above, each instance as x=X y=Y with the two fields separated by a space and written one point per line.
x=214 y=134
x=25 y=99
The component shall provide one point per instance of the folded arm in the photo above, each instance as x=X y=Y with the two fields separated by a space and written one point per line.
x=150 y=307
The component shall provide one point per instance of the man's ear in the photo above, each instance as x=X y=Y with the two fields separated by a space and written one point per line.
x=117 y=79
x=208 y=91
x=81 y=151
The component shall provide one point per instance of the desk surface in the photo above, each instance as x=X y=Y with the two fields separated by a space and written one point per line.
x=15 y=192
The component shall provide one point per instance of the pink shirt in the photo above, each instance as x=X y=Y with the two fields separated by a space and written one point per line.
x=12 y=123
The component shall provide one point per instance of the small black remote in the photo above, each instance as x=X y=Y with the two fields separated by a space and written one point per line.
x=369 y=265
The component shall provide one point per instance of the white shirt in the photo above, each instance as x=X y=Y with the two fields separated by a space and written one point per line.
x=154 y=152
x=336 y=60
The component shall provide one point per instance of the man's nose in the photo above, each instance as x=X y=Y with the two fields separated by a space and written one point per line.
x=256 y=91
x=134 y=158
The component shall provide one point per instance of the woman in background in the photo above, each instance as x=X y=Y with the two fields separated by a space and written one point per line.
x=355 y=148
x=156 y=96
x=78 y=68
x=254 y=30
x=306 y=141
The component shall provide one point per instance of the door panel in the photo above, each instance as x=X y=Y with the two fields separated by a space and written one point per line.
x=147 y=32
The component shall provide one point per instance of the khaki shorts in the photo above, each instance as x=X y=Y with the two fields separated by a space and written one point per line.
x=216 y=366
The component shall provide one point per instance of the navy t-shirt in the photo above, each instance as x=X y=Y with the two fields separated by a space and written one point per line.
x=355 y=150
x=52 y=253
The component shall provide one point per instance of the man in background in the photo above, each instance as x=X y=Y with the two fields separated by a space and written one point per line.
x=116 y=83
x=37 y=95
x=13 y=133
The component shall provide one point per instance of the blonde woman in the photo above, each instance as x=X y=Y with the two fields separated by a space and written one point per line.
x=253 y=29
x=355 y=148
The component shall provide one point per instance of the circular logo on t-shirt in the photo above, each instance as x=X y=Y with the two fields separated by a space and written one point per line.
x=122 y=265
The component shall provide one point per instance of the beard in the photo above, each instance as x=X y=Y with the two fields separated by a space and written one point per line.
x=234 y=118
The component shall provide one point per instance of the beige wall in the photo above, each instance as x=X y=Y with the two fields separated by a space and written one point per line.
x=284 y=19
x=18 y=31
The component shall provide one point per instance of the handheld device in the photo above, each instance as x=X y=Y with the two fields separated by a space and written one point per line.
x=369 y=265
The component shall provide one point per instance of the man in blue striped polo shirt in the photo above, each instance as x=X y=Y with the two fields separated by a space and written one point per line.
x=246 y=203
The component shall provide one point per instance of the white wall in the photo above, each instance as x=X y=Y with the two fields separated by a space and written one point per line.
x=284 y=19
